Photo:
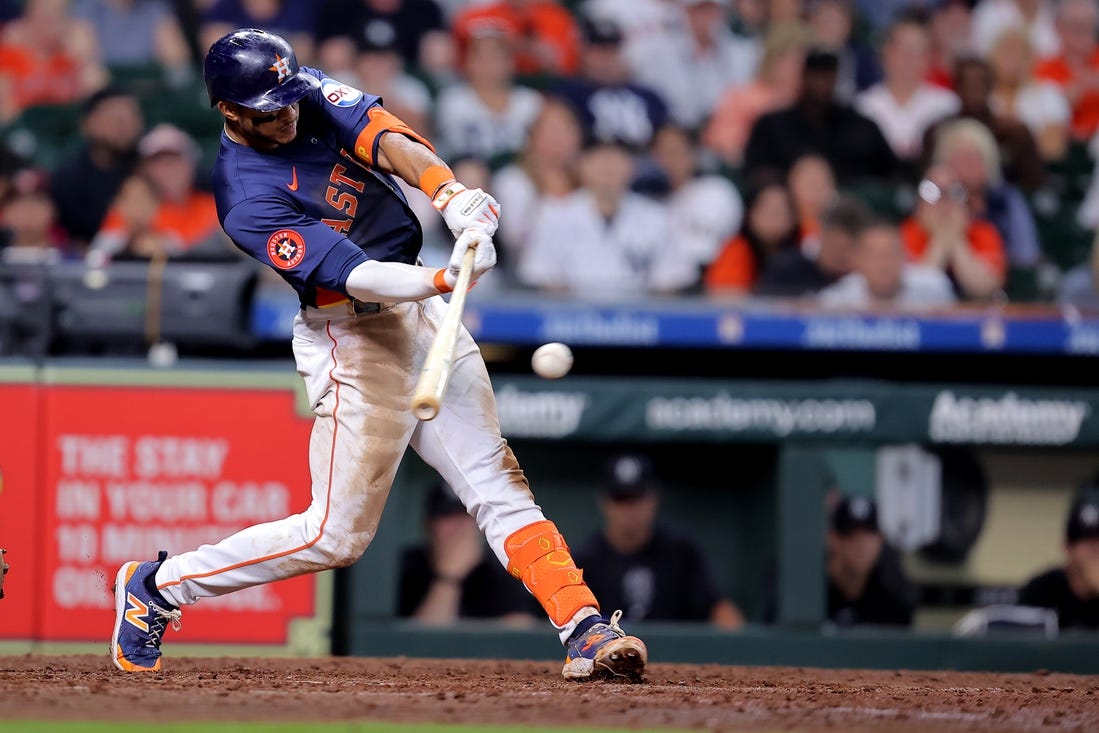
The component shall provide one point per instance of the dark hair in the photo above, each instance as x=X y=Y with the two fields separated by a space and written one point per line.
x=92 y=102
x=848 y=214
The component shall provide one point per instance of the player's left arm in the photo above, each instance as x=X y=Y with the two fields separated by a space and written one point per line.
x=465 y=211
x=413 y=159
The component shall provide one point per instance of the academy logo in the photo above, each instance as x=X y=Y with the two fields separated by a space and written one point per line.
x=286 y=248
x=340 y=94
x=281 y=67
x=1006 y=420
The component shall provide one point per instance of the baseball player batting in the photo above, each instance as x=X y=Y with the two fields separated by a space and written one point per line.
x=305 y=184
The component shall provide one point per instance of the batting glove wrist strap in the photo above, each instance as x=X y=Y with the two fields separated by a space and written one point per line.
x=445 y=192
x=442 y=283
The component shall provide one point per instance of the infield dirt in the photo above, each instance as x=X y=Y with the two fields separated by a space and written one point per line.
x=705 y=697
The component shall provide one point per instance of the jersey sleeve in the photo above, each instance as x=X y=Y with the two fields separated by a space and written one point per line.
x=358 y=118
x=304 y=251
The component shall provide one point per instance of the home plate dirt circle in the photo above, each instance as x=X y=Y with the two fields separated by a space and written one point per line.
x=702 y=697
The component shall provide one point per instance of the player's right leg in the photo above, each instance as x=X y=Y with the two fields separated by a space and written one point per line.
x=358 y=382
x=463 y=443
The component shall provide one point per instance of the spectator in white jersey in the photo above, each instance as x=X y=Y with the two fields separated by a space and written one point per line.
x=487 y=114
x=706 y=208
x=692 y=62
x=905 y=104
x=604 y=241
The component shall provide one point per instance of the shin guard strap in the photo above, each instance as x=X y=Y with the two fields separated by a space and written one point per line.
x=537 y=555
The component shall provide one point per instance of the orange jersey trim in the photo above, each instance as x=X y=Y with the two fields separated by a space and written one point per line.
x=382 y=121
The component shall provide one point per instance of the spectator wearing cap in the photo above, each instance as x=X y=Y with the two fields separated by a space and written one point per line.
x=169 y=159
x=866 y=583
x=695 y=60
x=111 y=123
x=486 y=114
x=418 y=28
x=547 y=41
x=294 y=21
x=904 y=104
x=609 y=103
x=619 y=244
x=1072 y=590
x=817 y=123
x=450 y=576
x=645 y=569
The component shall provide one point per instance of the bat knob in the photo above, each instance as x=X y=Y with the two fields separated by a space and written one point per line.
x=425 y=409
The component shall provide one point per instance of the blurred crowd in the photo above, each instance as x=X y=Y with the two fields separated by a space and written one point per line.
x=856 y=153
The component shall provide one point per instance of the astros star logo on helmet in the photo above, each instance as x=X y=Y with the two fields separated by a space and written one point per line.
x=280 y=67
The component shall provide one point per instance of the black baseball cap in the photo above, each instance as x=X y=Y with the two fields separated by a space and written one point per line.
x=853 y=513
x=442 y=502
x=630 y=476
x=598 y=31
x=821 y=59
x=1083 y=520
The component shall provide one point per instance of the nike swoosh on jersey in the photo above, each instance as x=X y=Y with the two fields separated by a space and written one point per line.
x=293 y=185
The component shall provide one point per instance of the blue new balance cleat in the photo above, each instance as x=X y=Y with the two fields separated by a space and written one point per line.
x=604 y=650
x=141 y=617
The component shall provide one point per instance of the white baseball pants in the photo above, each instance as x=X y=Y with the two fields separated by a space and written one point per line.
x=360 y=371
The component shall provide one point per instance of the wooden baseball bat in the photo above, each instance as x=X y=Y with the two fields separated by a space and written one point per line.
x=435 y=374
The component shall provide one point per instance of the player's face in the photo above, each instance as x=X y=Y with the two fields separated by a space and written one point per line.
x=265 y=130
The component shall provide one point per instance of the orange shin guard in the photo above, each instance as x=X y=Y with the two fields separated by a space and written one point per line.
x=537 y=555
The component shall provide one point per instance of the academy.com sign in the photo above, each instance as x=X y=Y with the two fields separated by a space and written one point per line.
x=769 y=416
x=1008 y=419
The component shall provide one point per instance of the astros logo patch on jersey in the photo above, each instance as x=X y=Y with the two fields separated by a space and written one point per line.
x=340 y=94
x=286 y=249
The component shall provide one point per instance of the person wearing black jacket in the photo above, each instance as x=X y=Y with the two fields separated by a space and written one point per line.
x=817 y=123
x=1072 y=590
x=866 y=583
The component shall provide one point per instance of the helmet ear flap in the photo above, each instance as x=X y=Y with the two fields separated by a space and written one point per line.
x=256 y=69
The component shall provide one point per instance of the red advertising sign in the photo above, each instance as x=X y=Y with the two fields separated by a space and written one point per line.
x=129 y=471
x=19 y=507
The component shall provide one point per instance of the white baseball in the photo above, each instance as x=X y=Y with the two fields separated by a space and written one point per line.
x=552 y=361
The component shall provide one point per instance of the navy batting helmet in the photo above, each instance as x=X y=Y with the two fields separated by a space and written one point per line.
x=255 y=69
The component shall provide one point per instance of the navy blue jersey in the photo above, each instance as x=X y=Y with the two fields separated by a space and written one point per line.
x=314 y=208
